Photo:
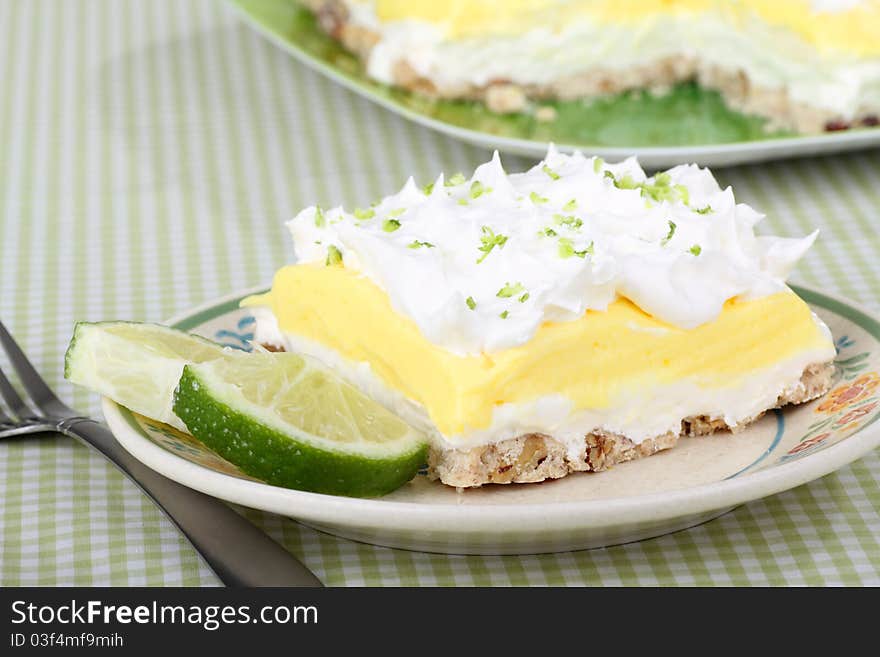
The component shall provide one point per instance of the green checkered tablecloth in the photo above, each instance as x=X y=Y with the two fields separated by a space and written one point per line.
x=149 y=152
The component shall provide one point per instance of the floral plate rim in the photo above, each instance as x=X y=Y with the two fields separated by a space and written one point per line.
x=703 y=498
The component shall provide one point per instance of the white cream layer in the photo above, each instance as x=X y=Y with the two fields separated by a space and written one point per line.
x=650 y=413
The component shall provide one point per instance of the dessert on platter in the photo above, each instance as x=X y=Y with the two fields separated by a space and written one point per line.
x=806 y=65
x=564 y=319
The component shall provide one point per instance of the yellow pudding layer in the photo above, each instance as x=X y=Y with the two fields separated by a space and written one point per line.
x=852 y=29
x=592 y=360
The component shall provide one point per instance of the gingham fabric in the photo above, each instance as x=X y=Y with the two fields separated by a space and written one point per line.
x=149 y=153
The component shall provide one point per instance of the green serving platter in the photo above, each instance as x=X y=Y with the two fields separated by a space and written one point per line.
x=688 y=124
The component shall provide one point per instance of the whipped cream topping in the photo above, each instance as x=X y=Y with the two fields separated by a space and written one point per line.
x=480 y=263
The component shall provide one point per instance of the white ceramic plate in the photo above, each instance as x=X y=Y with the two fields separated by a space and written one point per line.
x=688 y=126
x=700 y=479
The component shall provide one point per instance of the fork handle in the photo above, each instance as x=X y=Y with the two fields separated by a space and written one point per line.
x=236 y=550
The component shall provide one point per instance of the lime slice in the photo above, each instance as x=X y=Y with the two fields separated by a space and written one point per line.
x=284 y=419
x=136 y=365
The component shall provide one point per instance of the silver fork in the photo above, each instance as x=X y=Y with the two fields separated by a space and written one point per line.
x=237 y=551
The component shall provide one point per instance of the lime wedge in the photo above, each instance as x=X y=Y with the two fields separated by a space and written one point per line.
x=285 y=419
x=136 y=365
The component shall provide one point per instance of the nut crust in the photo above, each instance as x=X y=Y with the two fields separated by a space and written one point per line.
x=535 y=457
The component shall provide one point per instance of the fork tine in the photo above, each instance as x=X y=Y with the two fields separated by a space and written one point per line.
x=40 y=393
x=25 y=430
x=16 y=403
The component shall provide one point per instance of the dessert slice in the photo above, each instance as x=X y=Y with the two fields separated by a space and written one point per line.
x=563 y=319
x=806 y=65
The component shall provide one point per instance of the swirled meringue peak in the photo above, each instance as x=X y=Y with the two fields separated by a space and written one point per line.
x=480 y=263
